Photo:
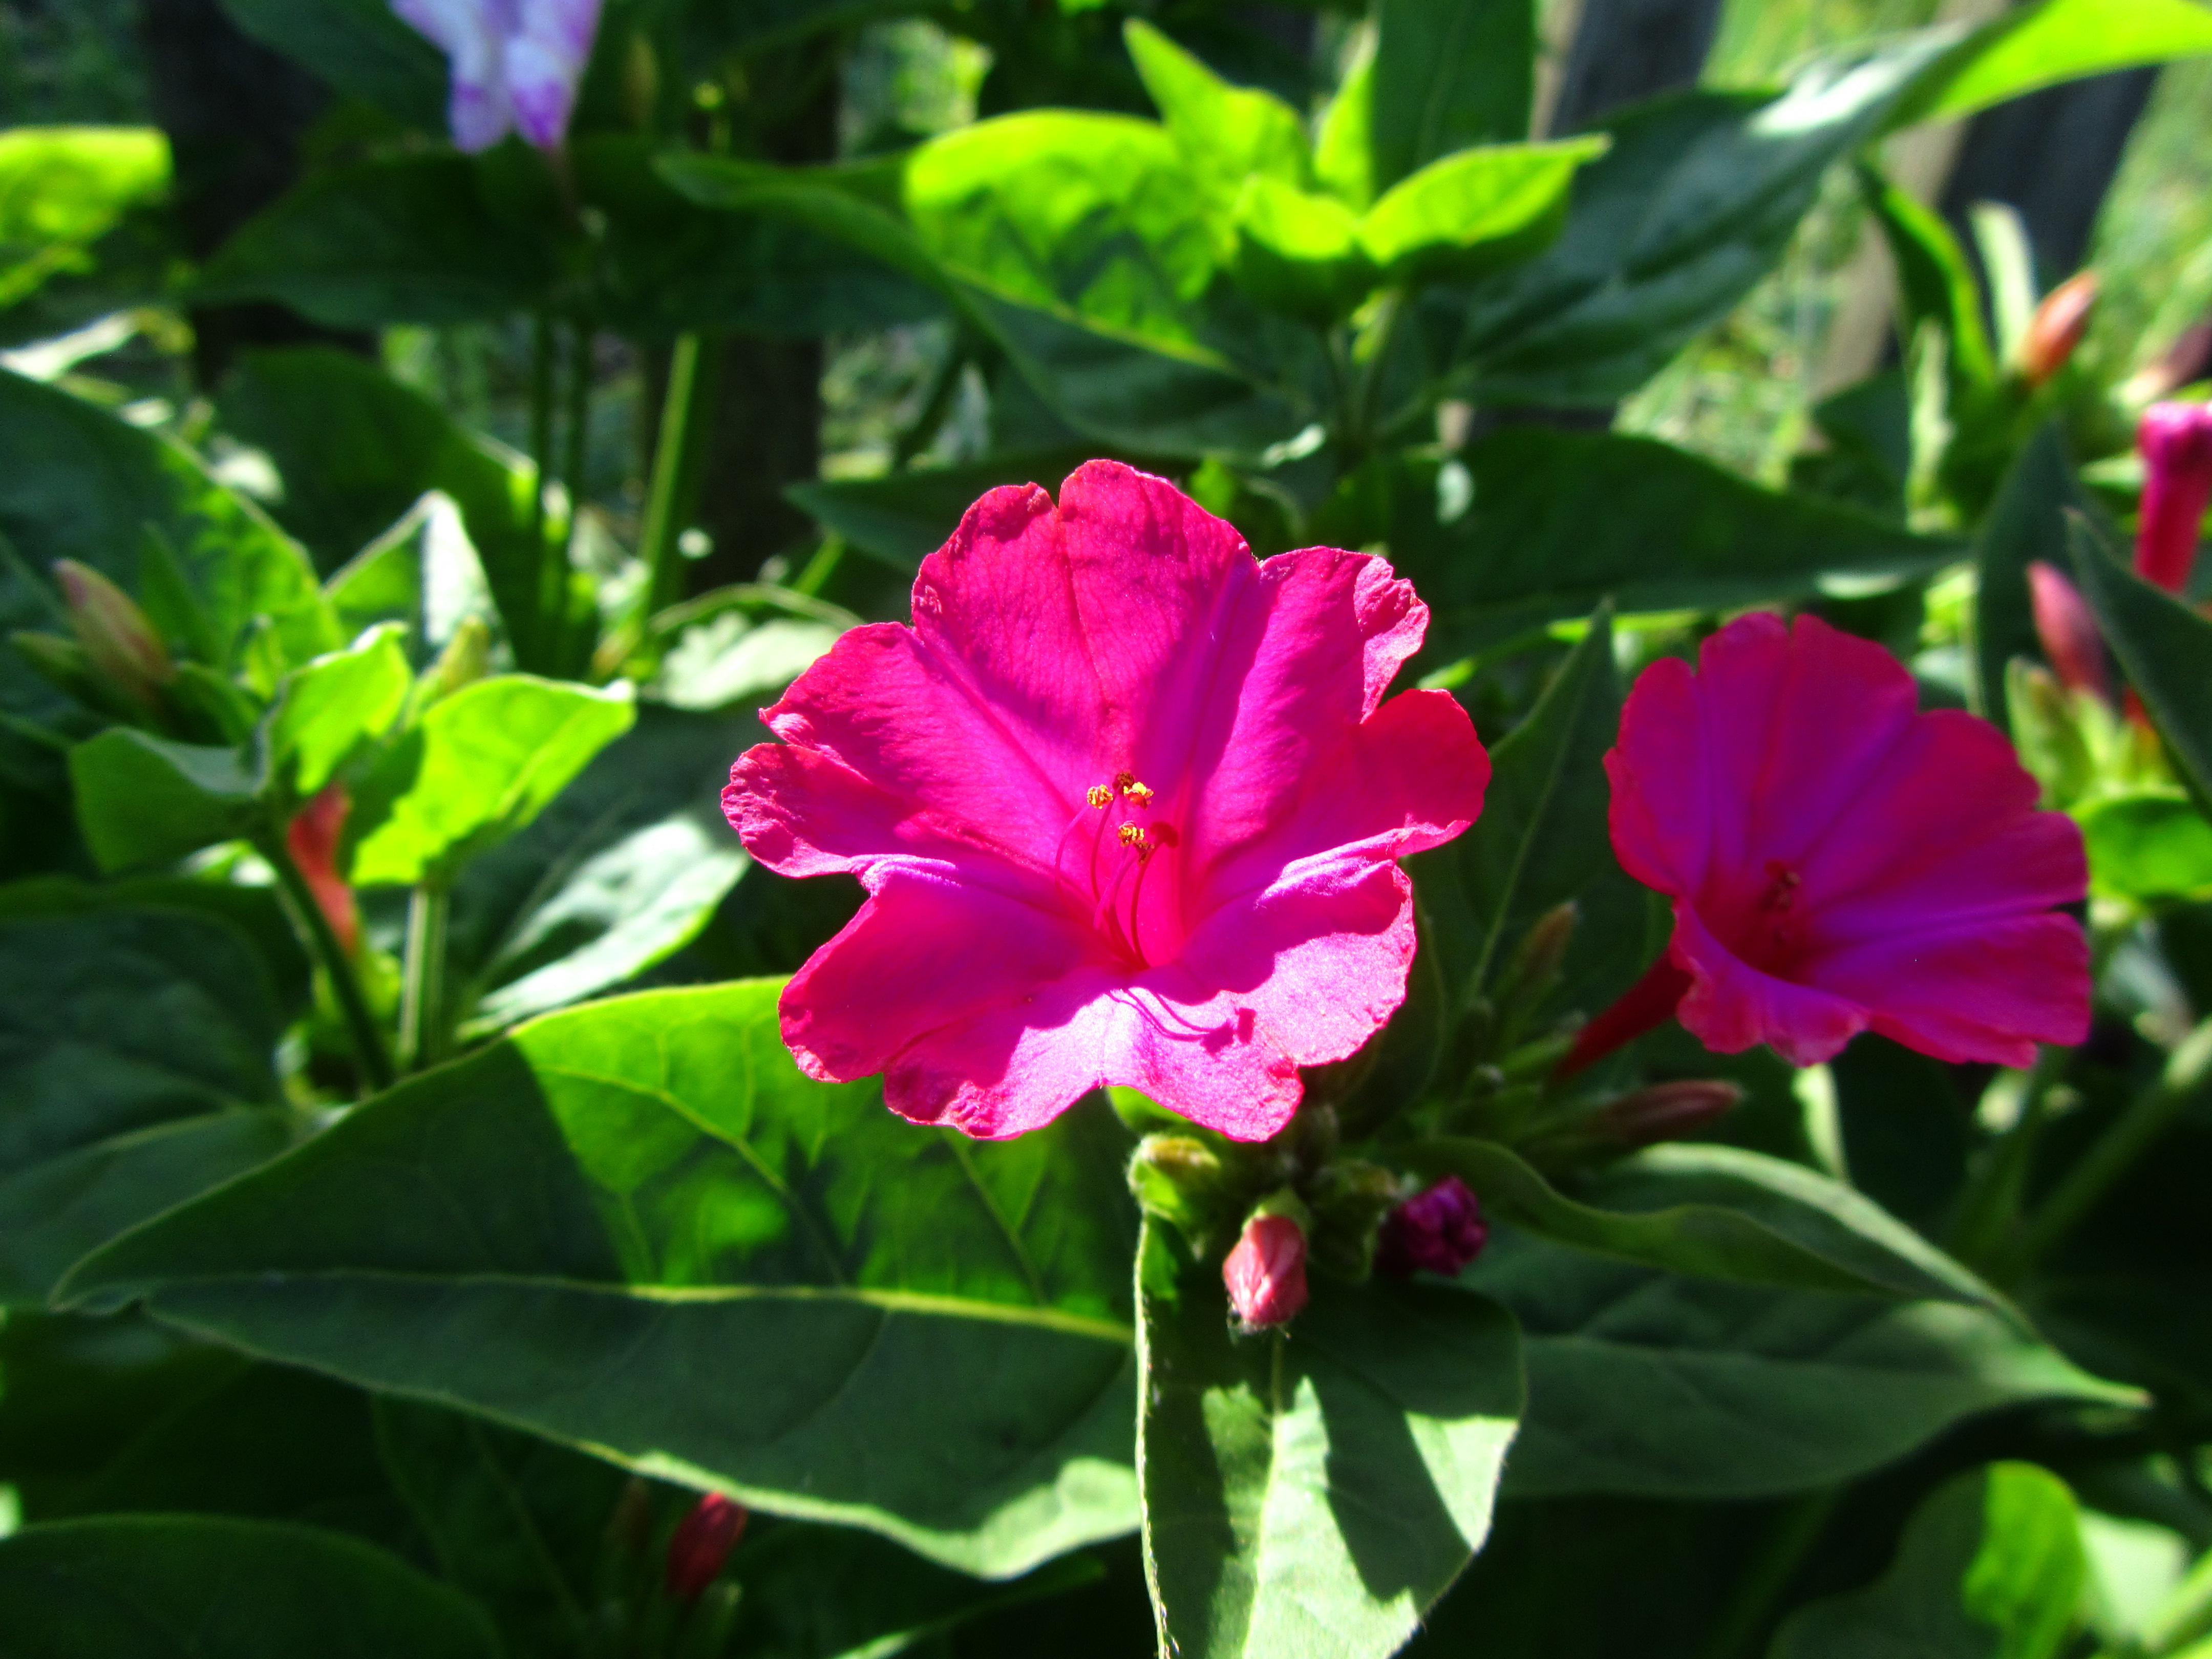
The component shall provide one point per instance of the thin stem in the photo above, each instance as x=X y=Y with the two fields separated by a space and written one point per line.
x=692 y=383
x=422 y=985
x=558 y=556
x=541 y=450
x=942 y=388
x=375 y=1060
x=2087 y=1182
x=1992 y=1199
x=1767 y=1576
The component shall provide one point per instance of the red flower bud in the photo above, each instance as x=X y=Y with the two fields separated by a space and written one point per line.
x=2068 y=631
x=1644 y=1006
x=123 y=644
x=312 y=838
x=1266 y=1273
x=1438 y=1231
x=702 y=1543
x=2176 y=440
x=1668 y=1111
x=2057 y=327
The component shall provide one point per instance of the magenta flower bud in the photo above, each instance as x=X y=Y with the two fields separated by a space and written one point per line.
x=2176 y=440
x=1438 y=1231
x=2068 y=631
x=702 y=1543
x=2057 y=327
x=1668 y=1111
x=115 y=633
x=1265 y=1274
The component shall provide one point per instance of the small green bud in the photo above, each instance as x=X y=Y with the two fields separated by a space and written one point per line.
x=1180 y=1179
x=466 y=658
x=1349 y=1200
x=121 y=642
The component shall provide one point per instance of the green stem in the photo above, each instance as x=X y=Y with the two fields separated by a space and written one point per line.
x=375 y=1060
x=541 y=450
x=2087 y=1183
x=422 y=987
x=1992 y=1200
x=1768 y=1575
x=558 y=557
x=693 y=381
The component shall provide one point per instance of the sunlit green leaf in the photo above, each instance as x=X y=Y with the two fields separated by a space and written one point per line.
x=334 y=707
x=2161 y=643
x=1225 y=132
x=2042 y=45
x=144 y=800
x=2147 y=846
x=61 y=189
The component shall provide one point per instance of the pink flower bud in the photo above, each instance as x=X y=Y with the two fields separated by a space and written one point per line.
x=1266 y=1273
x=1668 y=1111
x=2176 y=440
x=115 y=633
x=311 y=837
x=2057 y=327
x=2185 y=363
x=1438 y=1231
x=702 y=1543
x=1644 y=1006
x=2068 y=631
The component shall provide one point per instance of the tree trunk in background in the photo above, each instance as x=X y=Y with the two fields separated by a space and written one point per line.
x=235 y=113
x=1624 y=50
x=2052 y=154
x=768 y=425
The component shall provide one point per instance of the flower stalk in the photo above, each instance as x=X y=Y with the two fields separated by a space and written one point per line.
x=422 y=985
x=368 y=1047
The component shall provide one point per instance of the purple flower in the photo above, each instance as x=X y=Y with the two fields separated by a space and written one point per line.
x=2176 y=440
x=1439 y=1231
x=515 y=64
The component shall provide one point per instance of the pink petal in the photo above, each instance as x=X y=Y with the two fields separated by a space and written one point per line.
x=1990 y=991
x=1731 y=1006
x=1662 y=794
x=544 y=63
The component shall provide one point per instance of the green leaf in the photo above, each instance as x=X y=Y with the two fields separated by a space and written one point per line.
x=1541 y=839
x=197 y=1587
x=1344 y=159
x=1448 y=73
x=478 y=766
x=131 y=1042
x=1648 y=1383
x=1936 y=280
x=399 y=239
x=334 y=707
x=1225 y=133
x=904 y=519
x=2147 y=847
x=1670 y=530
x=1300 y=252
x=2160 y=643
x=143 y=800
x=61 y=189
x=1990 y=1567
x=358 y=46
x=82 y=484
x=568 y=1230
x=1471 y=212
x=356 y=450
x=424 y=575
x=623 y=869
x=2027 y=522
x=1314 y=1489
x=2042 y=45
x=1718 y=1212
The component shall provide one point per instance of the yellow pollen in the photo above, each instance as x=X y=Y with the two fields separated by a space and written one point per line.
x=1139 y=794
x=1098 y=794
x=1132 y=834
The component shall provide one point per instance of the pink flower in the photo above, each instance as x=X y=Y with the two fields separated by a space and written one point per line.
x=2176 y=440
x=1265 y=1274
x=311 y=837
x=1839 y=863
x=2068 y=631
x=514 y=63
x=1127 y=803
x=1437 y=1230
x=702 y=1542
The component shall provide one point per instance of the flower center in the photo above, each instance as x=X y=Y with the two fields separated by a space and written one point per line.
x=1776 y=924
x=1107 y=879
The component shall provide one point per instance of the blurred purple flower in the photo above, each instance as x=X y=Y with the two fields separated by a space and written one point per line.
x=1438 y=1231
x=515 y=64
x=2176 y=440
x=703 y=1540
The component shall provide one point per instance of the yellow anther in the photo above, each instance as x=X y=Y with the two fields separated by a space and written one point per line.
x=1137 y=794
x=1132 y=834
x=1098 y=794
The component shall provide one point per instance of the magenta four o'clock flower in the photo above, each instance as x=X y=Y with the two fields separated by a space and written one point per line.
x=1127 y=803
x=2176 y=441
x=515 y=64
x=1839 y=862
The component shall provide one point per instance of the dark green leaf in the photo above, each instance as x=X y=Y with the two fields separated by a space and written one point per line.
x=478 y=766
x=1646 y=1382
x=358 y=46
x=1990 y=1567
x=1541 y=839
x=1718 y=1212
x=2161 y=643
x=61 y=189
x=1934 y=279
x=1314 y=1489
x=1560 y=520
x=194 y=1586
x=904 y=519
x=128 y=1043
x=144 y=800
x=82 y=484
x=2025 y=523
x=1449 y=74
x=405 y=239
x=568 y=1231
